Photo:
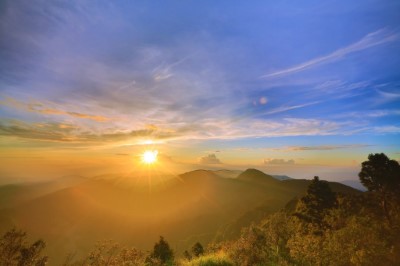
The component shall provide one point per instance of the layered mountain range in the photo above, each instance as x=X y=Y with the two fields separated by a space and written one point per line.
x=72 y=213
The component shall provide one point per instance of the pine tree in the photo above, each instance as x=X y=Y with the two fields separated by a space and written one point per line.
x=197 y=249
x=187 y=255
x=162 y=252
x=314 y=204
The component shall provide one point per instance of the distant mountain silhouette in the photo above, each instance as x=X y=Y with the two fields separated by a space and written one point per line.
x=195 y=206
x=354 y=184
x=14 y=194
x=254 y=175
x=282 y=177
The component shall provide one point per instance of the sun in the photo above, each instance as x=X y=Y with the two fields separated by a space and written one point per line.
x=150 y=156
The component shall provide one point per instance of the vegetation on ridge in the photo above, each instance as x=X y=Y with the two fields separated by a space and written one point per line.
x=324 y=228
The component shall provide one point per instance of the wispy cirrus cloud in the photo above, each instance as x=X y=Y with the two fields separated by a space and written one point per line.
x=272 y=161
x=322 y=147
x=372 y=39
x=288 y=108
x=370 y=114
x=389 y=96
x=164 y=71
x=390 y=129
x=205 y=129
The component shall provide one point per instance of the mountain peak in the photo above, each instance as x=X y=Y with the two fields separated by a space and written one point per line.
x=200 y=173
x=252 y=174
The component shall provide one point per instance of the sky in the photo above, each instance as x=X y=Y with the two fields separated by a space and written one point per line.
x=291 y=88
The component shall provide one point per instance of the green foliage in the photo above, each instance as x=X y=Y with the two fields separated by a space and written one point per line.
x=187 y=255
x=161 y=254
x=197 y=249
x=319 y=198
x=14 y=250
x=277 y=230
x=358 y=243
x=111 y=254
x=305 y=246
x=214 y=259
x=354 y=232
x=381 y=175
x=250 y=248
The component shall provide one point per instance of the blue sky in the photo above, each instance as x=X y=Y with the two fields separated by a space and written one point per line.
x=254 y=83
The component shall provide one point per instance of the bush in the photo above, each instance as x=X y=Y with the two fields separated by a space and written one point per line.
x=14 y=250
x=214 y=259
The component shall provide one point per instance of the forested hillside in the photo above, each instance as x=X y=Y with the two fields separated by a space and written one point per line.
x=253 y=219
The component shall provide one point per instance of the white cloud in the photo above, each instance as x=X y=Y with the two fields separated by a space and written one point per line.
x=210 y=159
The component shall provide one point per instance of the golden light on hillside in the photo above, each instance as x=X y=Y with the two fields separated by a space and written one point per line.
x=149 y=156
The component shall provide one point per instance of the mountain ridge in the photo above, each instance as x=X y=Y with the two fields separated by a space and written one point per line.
x=196 y=203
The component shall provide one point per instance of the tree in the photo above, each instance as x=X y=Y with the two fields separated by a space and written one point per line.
x=278 y=228
x=108 y=252
x=361 y=241
x=251 y=248
x=381 y=175
x=187 y=255
x=314 y=204
x=162 y=252
x=197 y=249
x=14 y=250
x=30 y=255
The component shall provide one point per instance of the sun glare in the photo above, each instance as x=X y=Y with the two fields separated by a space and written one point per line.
x=150 y=157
